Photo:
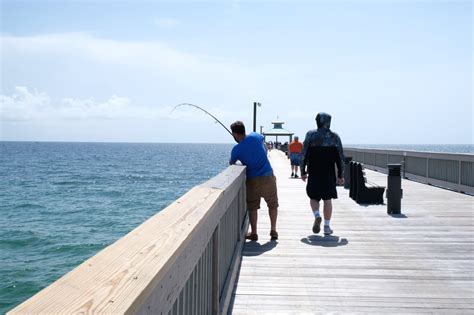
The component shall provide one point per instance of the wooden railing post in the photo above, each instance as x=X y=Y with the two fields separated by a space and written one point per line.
x=428 y=169
x=215 y=272
x=460 y=174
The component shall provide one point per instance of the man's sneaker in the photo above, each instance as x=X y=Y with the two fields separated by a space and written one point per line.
x=292 y=174
x=252 y=237
x=327 y=230
x=296 y=175
x=317 y=225
x=273 y=235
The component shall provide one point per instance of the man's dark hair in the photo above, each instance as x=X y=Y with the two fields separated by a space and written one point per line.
x=238 y=127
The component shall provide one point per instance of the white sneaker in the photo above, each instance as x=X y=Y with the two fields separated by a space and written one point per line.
x=327 y=230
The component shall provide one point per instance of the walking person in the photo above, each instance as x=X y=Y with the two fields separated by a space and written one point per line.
x=322 y=151
x=261 y=183
x=294 y=155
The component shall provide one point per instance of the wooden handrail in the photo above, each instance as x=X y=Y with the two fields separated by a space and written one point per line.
x=149 y=269
x=448 y=170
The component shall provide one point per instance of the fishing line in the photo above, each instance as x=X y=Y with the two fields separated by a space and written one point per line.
x=200 y=108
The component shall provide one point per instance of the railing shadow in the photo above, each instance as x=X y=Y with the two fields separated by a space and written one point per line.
x=325 y=241
x=255 y=248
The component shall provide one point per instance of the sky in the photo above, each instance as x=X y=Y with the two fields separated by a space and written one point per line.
x=389 y=72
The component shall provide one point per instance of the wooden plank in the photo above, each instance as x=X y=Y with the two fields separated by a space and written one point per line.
x=421 y=261
x=328 y=303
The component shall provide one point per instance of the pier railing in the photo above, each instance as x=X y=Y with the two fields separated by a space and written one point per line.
x=452 y=171
x=183 y=260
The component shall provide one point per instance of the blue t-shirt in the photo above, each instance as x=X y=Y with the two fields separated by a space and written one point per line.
x=252 y=153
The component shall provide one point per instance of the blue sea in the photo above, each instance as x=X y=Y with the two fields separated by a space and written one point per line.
x=60 y=203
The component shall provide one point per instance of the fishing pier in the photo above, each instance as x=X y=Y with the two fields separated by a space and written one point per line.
x=192 y=257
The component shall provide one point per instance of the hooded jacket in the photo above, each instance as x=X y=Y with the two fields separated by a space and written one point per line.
x=321 y=149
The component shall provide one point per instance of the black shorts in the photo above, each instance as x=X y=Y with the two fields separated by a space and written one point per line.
x=321 y=187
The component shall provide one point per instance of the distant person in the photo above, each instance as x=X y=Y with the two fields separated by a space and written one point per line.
x=260 y=183
x=322 y=151
x=294 y=155
x=269 y=146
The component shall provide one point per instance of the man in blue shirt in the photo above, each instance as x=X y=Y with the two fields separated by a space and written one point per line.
x=260 y=183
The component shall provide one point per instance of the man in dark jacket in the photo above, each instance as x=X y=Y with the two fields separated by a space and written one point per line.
x=322 y=151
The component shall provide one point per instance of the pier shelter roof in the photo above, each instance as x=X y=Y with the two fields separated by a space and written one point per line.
x=278 y=130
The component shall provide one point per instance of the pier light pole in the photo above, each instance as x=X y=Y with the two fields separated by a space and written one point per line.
x=255 y=104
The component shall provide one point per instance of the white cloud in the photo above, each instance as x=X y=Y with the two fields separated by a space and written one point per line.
x=35 y=116
x=85 y=46
x=166 y=23
x=149 y=55
x=69 y=68
x=78 y=62
x=84 y=81
x=24 y=105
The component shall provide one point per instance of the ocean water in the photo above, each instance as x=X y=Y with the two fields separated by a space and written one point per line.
x=60 y=203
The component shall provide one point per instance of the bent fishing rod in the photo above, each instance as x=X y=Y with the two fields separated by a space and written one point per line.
x=202 y=109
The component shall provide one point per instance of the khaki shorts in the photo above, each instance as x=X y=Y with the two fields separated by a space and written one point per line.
x=261 y=187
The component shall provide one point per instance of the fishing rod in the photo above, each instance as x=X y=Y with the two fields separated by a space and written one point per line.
x=217 y=120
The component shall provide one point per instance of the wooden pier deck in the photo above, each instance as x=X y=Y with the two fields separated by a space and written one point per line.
x=419 y=262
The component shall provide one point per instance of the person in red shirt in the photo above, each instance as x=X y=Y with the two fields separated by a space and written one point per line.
x=294 y=150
